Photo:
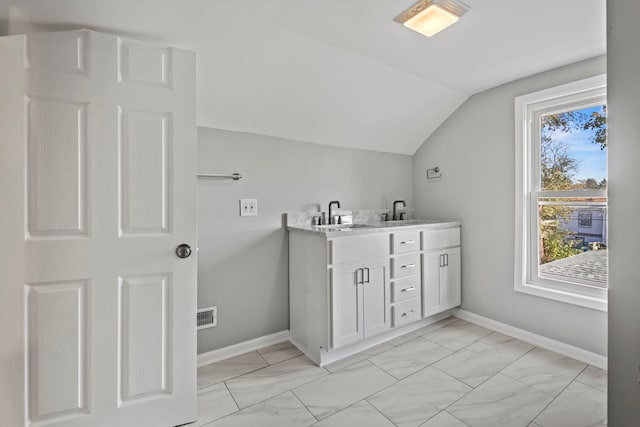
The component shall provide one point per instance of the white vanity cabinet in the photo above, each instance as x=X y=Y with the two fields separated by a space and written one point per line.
x=359 y=301
x=359 y=285
x=339 y=291
x=405 y=277
x=440 y=270
x=351 y=290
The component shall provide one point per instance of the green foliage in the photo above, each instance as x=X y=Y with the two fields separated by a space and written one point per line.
x=554 y=243
x=598 y=121
x=592 y=184
x=553 y=236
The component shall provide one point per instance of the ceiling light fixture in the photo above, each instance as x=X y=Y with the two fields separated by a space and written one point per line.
x=429 y=17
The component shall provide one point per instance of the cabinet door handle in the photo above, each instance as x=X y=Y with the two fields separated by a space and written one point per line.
x=406 y=313
x=410 y=288
x=441 y=260
x=407 y=265
x=446 y=260
x=407 y=242
x=368 y=277
x=361 y=271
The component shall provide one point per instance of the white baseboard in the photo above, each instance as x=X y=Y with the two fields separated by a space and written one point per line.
x=577 y=353
x=241 y=348
x=327 y=358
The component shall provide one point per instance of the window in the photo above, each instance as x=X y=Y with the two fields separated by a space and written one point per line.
x=561 y=193
x=585 y=219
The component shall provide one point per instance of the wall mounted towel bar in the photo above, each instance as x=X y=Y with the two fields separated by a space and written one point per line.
x=234 y=176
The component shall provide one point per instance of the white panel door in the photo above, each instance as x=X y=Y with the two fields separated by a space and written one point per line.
x=98 y=187
x=450 y=282
x=347 y=312
x=377 y=298
x=431 y=278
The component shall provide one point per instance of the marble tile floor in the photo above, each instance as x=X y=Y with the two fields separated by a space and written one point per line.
x=449 y=374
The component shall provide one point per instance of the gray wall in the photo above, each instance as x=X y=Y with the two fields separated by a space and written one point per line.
x=243 y=261
x=624 y=231
x=475 y=150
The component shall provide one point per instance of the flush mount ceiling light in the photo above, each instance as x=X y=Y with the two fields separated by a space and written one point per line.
x=429 y=17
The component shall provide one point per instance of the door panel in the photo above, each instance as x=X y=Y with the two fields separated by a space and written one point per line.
x=144 y=64
x=431 y=292
x=377 y=298
x=57 y=349
x=145 y=336
x=450 y=284
x=145 y=174
x=95 y=200
x=346 y=304
x=65 y=52
x=56 y=165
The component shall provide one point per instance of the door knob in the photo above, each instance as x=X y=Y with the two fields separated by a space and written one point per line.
x=183 y=251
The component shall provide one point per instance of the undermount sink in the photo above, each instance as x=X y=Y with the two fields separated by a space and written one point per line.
x=343 y=227
x=406 y=221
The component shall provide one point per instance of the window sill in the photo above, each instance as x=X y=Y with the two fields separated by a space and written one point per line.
x=544 y=291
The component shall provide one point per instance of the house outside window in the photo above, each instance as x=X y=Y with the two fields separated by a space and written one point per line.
x=561 y=193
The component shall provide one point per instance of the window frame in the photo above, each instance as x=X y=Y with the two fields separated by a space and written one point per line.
x=528 y=110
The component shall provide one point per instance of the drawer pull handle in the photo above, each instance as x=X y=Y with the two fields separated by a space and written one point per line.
x=407 y=242
x=410 y=288
x=406 y=313
x=407 y=265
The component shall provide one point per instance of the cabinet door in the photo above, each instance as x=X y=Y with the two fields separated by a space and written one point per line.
x=377 y=298
x=346 y=304
x=431 y=276
x=450 y=279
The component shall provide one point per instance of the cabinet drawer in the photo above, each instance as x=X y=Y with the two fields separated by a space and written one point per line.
x=359 y=248
x=404 y=242
x=405 y=266
x=406 y=312
x=406 y=289
x=436 y=239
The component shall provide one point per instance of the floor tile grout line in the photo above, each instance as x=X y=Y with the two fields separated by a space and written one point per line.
x=231 y=413
x=276 y=364
x=589 y=385
x=413 y=373
x=235 y=376
x=475 y=388
x=248 y=372
x=441 y=411
x=290 y=389
x=327 y=373
x=396 y=380
x=452 y=352
x=231 y=394
x=490 y=376
x=584 y=383
x=465 y=394
x=541 y=391
x=279 y=361
x=378 y=410
x=261 y=402
x=391 y=385
x=305 y=407
x=558 y=395
x=459 y=380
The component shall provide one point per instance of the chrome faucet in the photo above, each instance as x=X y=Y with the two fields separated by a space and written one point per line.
x=331 y=219
x=395 y=214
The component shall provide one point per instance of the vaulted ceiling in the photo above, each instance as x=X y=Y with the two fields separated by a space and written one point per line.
x=338 y=72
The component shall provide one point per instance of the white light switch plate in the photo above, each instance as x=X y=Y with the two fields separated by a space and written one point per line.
x=248 y=207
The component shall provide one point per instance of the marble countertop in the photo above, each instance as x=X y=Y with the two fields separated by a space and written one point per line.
x=344 y=230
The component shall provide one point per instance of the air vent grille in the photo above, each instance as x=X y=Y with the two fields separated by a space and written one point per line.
x=207 y=317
